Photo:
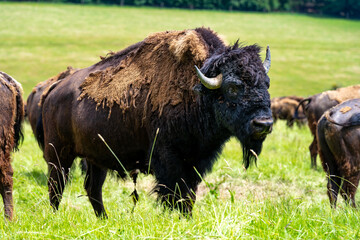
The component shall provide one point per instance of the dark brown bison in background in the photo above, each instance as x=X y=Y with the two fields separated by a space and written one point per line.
x=283 y=108
x=316 y=105
x=338 y=135
x=33 y=109
x=33 y=105
x=11 y=117
x=153 y=86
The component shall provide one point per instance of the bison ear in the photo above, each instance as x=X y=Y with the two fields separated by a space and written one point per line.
x=199 y=89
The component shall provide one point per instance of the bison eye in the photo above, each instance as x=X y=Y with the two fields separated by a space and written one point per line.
x=233 y=91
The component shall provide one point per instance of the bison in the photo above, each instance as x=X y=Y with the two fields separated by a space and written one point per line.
x=112 y=111
x=11 y=118
x=33 y=105
x=338 y=136
x=316 y=105
x=283 y=108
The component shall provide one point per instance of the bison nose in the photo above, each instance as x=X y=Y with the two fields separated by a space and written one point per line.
x=262 y=127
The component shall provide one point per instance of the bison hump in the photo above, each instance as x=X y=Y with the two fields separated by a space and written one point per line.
x=343 y=94
x=161 y=67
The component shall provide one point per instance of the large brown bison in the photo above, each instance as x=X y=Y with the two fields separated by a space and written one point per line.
x=153 y=86
x=316 y=105
x=283 y=108
x=338 y=135
x=11 y=117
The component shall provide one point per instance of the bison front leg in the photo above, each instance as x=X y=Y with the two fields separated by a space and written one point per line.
x=94 y=180
x=6 y=187
x=176 y=197
x=177 y=181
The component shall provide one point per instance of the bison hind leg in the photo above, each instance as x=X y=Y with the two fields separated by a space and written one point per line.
x=349 y=188
x=58 y=171
x=6 y=186
x=328 y=163
x=94 y=180
x=333 y=187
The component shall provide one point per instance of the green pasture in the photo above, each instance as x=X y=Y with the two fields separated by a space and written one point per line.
x=280 y=198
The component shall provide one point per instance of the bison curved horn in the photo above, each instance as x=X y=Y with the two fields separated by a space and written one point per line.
x=210 y=83
x=267 y=61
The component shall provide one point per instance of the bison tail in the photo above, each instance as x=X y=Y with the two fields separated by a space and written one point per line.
x=39 y=133
x=355 y=120
x=19 y=118
x=326 y=156
x=301 y=103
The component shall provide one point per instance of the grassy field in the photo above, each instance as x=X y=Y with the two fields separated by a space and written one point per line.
x=281 y=198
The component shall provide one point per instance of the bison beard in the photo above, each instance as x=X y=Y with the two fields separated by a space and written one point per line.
x=251 y=151
x=154 y=85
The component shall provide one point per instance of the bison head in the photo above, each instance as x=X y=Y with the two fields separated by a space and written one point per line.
x=235 y=85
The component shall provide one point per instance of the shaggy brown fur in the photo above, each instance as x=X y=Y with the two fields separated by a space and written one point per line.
x=344 y=94
x=316 y=105
x=167 y=54
x=284 y=108
x=11 y=117
x=338 y=136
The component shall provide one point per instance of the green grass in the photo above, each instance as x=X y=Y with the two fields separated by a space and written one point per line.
x=281 y=198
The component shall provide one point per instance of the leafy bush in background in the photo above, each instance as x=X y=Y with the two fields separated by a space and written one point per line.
x=338 y=8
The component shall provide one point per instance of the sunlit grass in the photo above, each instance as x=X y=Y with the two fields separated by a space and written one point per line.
x=281 y=197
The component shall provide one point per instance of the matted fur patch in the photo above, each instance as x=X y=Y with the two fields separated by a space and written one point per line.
x=343 y=94
x=345 y=109
x=162 y=67
x=9 y=106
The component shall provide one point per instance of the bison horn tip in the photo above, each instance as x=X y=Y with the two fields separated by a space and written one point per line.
x=267 y=61
x=210 y=83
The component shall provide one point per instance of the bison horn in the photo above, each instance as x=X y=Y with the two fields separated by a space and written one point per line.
x=210 y=83
x=267 y=62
